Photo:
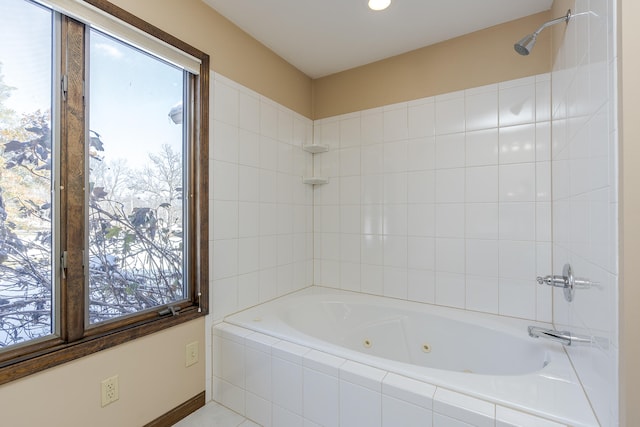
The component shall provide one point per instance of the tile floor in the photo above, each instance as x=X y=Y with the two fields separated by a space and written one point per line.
x=215 y=415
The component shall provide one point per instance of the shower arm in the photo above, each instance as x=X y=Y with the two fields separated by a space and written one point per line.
x=564 y=18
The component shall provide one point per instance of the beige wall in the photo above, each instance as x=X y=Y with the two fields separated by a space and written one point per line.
x=234 y=53
x=152 y=377
x=477 y=59
x=629 y=112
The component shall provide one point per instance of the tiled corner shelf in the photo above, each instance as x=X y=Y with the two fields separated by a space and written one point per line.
x=315 y=180
x=314 y=149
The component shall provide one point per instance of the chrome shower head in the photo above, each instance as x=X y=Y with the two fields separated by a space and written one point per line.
x=525 y=45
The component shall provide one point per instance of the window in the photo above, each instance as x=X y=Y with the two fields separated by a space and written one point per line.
x=103 y=181
x=136 y=153
x=26 y=231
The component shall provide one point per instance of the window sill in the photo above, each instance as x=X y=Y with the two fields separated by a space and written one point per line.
x=57 y=355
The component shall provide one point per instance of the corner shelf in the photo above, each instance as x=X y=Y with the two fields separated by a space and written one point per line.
x=315 y=180
x=315 y=148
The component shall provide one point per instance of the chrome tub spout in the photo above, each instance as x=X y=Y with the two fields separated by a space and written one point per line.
x=562 y=337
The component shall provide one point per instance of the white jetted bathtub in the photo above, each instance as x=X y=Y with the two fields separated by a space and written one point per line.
x=327 y=357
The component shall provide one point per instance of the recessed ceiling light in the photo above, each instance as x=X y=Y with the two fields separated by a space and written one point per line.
x=379 y=4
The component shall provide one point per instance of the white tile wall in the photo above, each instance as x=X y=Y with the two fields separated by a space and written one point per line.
x=453 y=191
x=585 y=203
x=277 y=383
x=261 y=212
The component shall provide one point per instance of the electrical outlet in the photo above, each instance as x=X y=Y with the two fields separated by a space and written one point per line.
x=110 y=391
x=191 y=355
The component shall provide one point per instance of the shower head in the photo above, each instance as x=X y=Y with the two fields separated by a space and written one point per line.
x=525 y=45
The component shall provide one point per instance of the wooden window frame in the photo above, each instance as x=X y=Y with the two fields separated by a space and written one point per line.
x=76 y=339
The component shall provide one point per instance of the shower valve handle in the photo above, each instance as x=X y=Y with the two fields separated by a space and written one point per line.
x=567 y=281
x=557 y=281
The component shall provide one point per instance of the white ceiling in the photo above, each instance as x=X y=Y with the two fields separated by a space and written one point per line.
x=323 y=37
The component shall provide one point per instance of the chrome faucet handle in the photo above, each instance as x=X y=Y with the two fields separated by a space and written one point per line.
x=557 y=281
x=567 y=281
x=580 y=283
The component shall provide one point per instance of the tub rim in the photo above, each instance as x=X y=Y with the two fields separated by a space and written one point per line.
x=558 y=378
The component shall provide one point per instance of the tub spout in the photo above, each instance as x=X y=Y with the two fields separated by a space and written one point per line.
x=563 y=337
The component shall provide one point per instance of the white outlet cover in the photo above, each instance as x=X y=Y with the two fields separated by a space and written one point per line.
x=110 y=390
x=191 y=354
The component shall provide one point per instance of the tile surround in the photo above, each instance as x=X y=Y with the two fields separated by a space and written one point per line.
x=417 y=192
x=261 y=225
x=311 y=388
x=585 y=201
x=261 y=237
x=450 y=186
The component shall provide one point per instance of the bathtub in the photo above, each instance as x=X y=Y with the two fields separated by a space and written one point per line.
x=326 y=357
